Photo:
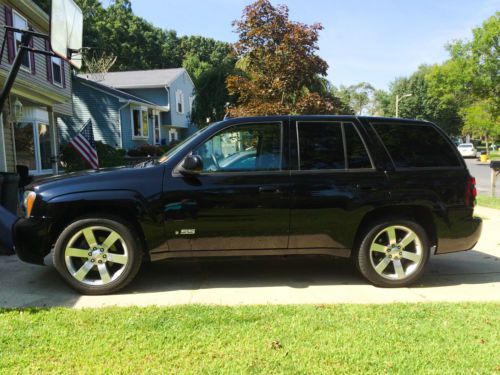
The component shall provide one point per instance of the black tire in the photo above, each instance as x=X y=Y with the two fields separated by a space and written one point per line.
x=366 y=264
x=127 y=272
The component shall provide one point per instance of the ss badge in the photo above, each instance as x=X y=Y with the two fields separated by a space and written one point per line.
x=186 y=231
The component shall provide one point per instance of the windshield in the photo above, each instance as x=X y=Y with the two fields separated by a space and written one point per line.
x=178 y=147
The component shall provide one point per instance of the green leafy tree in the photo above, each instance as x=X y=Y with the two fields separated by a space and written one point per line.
x=209 y=63
x=211 y=94
x=471 y=74
x=481 y=120
x=358 y=97
x=381 y=103
x=423 y=104
x=137 y=44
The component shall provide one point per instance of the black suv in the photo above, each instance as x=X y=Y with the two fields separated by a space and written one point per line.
x=385 y=192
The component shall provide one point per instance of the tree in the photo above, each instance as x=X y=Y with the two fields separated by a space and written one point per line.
x=481 y=120
x=424 y=103
x=358 y=97
x=211 y=94
x=137 y=44
x=278 y=67
x=98 y=66
x=381 y=103
x=471 y=74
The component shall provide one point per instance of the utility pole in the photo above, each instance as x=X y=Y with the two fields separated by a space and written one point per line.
x=398 y=99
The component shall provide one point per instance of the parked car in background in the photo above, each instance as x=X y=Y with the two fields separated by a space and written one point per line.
x=467 y=150
x=385 y=192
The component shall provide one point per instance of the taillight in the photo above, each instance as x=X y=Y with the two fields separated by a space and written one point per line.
x=471 y=192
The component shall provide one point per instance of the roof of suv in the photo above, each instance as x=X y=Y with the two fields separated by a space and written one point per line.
x=319 y=117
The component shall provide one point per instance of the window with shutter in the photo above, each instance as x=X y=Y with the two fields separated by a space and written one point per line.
x=20 y=22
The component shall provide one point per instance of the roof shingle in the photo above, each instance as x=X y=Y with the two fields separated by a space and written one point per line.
x=140 y=78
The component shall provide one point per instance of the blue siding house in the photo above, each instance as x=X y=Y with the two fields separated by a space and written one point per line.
x=132 y=108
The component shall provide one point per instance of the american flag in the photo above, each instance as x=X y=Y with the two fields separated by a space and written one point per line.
x=85 y=145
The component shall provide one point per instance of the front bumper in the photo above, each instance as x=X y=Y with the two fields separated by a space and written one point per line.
x=461 y=236
x=32 y=240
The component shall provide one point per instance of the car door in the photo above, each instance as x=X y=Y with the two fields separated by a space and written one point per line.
x=334 y=183
x=240 y=200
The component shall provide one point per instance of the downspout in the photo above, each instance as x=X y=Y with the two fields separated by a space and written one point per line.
x=120 y=121
x=167 y=89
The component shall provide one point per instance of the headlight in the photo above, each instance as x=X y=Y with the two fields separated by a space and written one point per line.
x=28 y=201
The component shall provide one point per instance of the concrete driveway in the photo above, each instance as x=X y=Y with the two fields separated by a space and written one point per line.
x=465 y=276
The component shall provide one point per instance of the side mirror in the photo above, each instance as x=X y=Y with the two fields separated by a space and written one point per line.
x=192 y=164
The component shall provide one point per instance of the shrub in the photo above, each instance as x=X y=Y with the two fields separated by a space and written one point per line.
x=147 y=150
x=109 y=156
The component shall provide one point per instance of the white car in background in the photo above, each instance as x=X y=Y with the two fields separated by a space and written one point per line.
x=467 y=150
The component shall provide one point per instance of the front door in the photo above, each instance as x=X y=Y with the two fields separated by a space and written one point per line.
x=33 y=146
x=240 y=201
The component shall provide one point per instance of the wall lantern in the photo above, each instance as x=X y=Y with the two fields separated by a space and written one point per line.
x=18 y=110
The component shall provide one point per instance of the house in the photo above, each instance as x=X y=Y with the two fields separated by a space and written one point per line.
x=40 y=96
x=120 y=119
x=167 y=98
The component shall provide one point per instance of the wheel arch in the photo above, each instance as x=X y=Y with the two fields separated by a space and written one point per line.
x=123 y=204
x=421 y=214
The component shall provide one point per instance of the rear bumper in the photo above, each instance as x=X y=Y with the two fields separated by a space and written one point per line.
x=463 y=236
x=32 y=239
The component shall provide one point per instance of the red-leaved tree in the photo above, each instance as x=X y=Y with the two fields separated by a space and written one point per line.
x=278 y=65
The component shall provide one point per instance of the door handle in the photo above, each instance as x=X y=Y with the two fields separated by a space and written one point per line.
x=269 y=189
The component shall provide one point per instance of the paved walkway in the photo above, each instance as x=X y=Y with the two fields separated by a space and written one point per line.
x=464 y=276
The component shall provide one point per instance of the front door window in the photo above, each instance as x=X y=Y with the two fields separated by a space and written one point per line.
x=44 y=146
x=25 y=145
x=254 y=147
x=33 y=146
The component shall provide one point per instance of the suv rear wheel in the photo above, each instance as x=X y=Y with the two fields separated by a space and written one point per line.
x=97 y=255
x=393 y=253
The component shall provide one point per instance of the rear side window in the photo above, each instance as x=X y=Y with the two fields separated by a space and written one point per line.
x=321 y=145
x=416 y=146
x=357 y=156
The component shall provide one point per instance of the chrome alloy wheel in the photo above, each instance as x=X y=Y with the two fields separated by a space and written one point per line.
x=396 y=252
x=96 y=255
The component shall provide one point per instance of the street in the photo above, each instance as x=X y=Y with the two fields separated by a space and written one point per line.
x=481 y=171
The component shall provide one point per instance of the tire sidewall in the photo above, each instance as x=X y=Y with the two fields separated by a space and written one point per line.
x=133 y=247
x=364 y=263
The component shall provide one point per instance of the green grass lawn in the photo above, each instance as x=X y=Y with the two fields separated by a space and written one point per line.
x=484 y=200
x=495 y=155
x=395 y=338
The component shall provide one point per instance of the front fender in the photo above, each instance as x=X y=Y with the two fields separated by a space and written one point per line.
x=119 y=198
x=113 y=202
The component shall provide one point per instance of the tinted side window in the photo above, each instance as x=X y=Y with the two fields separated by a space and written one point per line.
x=416 y=146
x=357 y=156
x=240 y=148
x=320 y=145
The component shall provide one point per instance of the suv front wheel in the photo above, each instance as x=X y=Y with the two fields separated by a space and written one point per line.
x=97 y=255
x=393 y=253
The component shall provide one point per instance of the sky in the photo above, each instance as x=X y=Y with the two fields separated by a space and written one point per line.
x=363 y=40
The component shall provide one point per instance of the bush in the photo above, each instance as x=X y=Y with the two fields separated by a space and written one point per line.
x=147 y=150
x=109 y=156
